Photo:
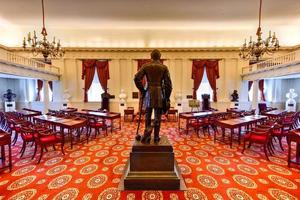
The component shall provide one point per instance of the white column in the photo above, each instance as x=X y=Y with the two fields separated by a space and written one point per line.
x=46 y=96
x=255 y=96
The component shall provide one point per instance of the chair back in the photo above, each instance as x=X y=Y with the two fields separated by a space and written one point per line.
x=27 y=132
x=262 y=107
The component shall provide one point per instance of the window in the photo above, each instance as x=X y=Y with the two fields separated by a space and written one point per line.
x=49 y=92
x=31 y=87
x=95 y=91
x=250 y=93
x=204 y=88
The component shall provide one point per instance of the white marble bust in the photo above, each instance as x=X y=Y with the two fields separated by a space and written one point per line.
x=290 y=104
x=66 y=96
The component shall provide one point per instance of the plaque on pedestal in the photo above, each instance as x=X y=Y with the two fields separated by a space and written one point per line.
x=9 y=106
x=152 y=167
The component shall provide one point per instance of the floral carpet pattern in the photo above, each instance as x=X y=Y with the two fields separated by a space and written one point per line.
x=94 y=170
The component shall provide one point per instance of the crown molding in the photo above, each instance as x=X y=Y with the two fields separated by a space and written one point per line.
x=178 y=49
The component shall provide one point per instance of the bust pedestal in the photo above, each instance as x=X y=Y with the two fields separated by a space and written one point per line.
x=152 y=167
x=122 y=107
x=9 y=106
x=234 y=104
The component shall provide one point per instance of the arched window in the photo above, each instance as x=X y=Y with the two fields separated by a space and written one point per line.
x=95 y=91
x=204 y=88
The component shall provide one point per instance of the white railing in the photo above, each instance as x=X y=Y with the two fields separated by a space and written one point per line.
x=278 y=61
x=14 y=59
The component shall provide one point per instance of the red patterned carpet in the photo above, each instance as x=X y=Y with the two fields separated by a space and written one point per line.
x=93 y=171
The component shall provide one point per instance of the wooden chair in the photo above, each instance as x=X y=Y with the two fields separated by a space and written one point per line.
x=27 y=135
x=129 y=113
x=93 y=123
x=47 y=137
x=293 y=136
x=199 y=123
x=5 y=139
x=172 y=114
x=15 y=127
x=258 y=136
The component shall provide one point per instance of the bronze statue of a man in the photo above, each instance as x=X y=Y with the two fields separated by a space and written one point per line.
x=156 y=95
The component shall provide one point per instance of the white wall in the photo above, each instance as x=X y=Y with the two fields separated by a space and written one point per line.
x=276 y=89
x=123 y=66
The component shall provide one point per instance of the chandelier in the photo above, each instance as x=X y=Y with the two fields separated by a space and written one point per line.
x=47 y=49
x=260 y=47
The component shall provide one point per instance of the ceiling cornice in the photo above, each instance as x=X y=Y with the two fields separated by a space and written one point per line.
x=137 y=49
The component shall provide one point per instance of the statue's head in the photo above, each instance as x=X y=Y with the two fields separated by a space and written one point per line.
x=155 y=55
x=8 y=91
x=292 y=90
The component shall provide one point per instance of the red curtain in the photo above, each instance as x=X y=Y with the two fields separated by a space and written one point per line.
x=249 y=88
x=197 y=75
x=212 y=71
x=250 y=85
x=51 y=85
x=39 y=89
x=88 y=72
x=51 y=88
x=261 y=89
x=103 y=72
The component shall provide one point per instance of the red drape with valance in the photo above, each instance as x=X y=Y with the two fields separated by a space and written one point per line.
x=51 y=88
x=261 y=89
x=197 y=75
x=51 y=85
x=212 y=71
x=88 y=72
x=39 y=89
x=249 y=87
x=103 y=73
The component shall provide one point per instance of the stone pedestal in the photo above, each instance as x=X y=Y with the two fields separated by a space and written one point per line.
x=9 y=106
x=152 y=167
x=122 y=107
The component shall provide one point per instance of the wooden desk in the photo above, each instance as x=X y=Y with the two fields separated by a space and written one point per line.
x=274 y=113
x=105 y=115
x=237 y=123
x=5 y=139
x=187 y=116
x=294 y=136
x=28 y=114
x=69 y=110
x=68 y=123
x=235 y=110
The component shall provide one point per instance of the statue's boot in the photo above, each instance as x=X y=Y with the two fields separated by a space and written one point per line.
x=156 y=135
x=147 y=136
